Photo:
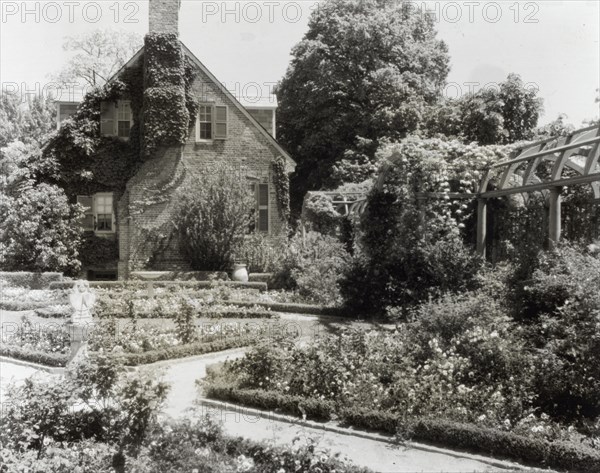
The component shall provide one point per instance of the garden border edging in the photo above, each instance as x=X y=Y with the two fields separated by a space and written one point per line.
x=362 y=434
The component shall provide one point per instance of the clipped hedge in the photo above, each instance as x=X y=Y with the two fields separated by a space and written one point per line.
x=557 y=454
x=18 y=306
x=445 y=433
x=292 y=308
x=184 y=351
x=314 y=409
x=188 y=284
x=42 y=358
x=29 y=280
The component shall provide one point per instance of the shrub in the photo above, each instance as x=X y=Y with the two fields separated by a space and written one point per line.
x=261 y=253
x=29 y=280
x=39 y=230
x=212 y=218
x=411 y=249
x=315 y=264
x=564 y=302
x=184 y=322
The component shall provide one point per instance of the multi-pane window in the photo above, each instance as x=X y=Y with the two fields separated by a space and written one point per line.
x=205 y=122
x=211 y=123
x=98 y=212
x=260 y=213
x=123 y=118
x=103 y=212
x=116 y=118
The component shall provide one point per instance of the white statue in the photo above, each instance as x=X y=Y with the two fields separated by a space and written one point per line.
x=82 y=300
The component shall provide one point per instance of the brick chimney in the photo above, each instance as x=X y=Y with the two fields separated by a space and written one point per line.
x=164 y=16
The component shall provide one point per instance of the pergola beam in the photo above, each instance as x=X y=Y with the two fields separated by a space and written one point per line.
x=571 y=181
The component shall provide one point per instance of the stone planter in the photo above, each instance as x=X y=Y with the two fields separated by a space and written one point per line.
x=240 y=273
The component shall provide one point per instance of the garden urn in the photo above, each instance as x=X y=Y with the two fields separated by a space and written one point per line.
x=240 y=273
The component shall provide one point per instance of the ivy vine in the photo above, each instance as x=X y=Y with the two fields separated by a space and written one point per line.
x=282 y=188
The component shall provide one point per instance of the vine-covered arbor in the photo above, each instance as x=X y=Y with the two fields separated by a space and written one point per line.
x=545 y=166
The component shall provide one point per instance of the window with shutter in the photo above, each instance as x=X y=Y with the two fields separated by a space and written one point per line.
x=87 y=222
x=204 y=130
x=107 y=118
x=220 y=122
x=260 y=212
x=123 y=118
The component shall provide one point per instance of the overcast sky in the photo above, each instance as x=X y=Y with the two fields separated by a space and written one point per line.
x=553 y=45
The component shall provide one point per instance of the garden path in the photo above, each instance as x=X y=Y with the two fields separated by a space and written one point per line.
x=379 y=455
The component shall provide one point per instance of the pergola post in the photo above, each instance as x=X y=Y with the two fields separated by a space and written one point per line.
x=481 y=226
x=554 y=216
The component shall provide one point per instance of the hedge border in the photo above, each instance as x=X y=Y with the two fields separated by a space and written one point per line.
x=260 y=286
x=29 y=279
x=314 y=409
x=184 y=351
x=440 y=432
x=38 y=357
x=293 y=308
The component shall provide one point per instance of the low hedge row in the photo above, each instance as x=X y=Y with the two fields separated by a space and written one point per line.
x=19 y=306
x=184 y=351
x=293 y=308
x=260 y=286
x=314 y=409
x=216 y=314
x=30 y=280
x=564 y=455
x=449 y=434
x=42 y=358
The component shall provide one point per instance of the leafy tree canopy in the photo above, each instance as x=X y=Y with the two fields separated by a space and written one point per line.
x=364 y=71
x=28 y=121
x=502 y=115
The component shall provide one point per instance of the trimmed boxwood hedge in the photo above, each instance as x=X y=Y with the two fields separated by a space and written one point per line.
x=445 y=433
x=260 y=286
x=42 y=358
x=315 y=409
x=292 y=308
x=184 y=351
x=30 y=280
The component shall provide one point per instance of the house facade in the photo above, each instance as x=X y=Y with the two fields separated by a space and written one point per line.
x=237 y=133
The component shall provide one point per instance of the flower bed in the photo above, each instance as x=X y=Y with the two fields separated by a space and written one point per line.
x=383 y=380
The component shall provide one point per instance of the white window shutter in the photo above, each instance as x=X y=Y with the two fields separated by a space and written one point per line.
x=108 y=123
x=220 y=122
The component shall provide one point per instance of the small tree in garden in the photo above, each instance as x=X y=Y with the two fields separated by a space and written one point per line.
x=184 y=322
x=214 y=214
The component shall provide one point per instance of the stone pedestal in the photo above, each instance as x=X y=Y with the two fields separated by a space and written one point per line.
x=79 y=334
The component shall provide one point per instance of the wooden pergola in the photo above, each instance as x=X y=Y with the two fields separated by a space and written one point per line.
x=579 y=152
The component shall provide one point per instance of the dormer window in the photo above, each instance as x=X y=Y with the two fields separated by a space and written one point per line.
x=211 y=122
x=116 y=118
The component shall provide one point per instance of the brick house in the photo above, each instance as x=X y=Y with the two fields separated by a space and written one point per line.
x=239 y=132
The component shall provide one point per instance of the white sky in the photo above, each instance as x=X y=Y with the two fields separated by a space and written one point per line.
x=552 y=44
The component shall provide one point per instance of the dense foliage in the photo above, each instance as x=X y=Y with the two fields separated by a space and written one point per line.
x=165 y=114
x=364 y=71
x=213 y=215
x=468 y=358
x=39 y=228
x=505 y=114
x=411 y=248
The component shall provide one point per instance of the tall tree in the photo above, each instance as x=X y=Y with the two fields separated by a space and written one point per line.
x=97 y=56
x=364 y=71
x=28 y=120
x=490 y=116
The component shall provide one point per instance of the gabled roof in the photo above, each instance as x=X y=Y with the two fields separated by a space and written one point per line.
x=226 y=92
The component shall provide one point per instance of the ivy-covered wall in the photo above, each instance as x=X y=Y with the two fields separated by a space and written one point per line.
x=164 y=87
